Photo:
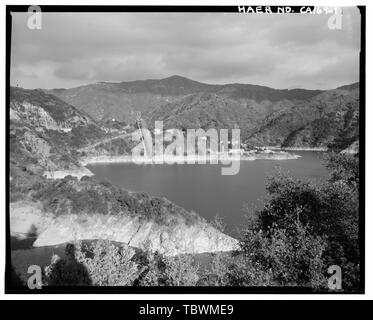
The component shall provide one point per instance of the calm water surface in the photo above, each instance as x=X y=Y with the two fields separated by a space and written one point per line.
x=203 y=189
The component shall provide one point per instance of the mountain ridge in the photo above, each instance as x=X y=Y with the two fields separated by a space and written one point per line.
x=256 y=109
x=182 y=78
x=124 y=100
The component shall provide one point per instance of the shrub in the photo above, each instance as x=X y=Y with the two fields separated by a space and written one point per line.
x=170 y=271
x=66 y=272
x=100 y=263
x=108 y=264
x=292 y=256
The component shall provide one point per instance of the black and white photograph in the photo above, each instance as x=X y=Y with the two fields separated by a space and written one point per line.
x=192 y=149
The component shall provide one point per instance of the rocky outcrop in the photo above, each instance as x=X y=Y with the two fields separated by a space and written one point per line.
x=34 y=114
x=36 y=145
x=142 y=234
x=46 y=131
x=43 y=111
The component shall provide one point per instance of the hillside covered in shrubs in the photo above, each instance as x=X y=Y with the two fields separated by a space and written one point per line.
x=301 y=231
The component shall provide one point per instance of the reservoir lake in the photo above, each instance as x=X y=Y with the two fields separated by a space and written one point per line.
x=203 y=189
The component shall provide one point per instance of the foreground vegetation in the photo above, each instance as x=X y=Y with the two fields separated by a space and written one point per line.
x=301 y=231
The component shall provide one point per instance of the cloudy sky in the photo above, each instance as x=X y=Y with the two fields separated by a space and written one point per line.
x=280 y=51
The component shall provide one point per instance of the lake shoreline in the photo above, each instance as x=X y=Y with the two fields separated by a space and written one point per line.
x=269 y=153
x=320 y=149
x=249 y=156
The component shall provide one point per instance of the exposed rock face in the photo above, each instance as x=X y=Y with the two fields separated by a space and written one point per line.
x=145 y=234
x=43 y=111
x=46 y=132
x=35 y=115
x=149 y=235
x=36 y=144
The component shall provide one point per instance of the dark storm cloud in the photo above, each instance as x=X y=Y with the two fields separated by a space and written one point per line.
x=275 y=50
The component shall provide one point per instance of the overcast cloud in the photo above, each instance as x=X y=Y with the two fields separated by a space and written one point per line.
x=280 y=51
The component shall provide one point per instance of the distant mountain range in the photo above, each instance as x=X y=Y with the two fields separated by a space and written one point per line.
x=122 y=100
x=266 y=116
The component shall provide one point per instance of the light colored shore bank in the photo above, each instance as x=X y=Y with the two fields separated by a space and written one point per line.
x=191 y=159
x=60 y=174
x=321 y=149
x=28 y=218
x=214 y=158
